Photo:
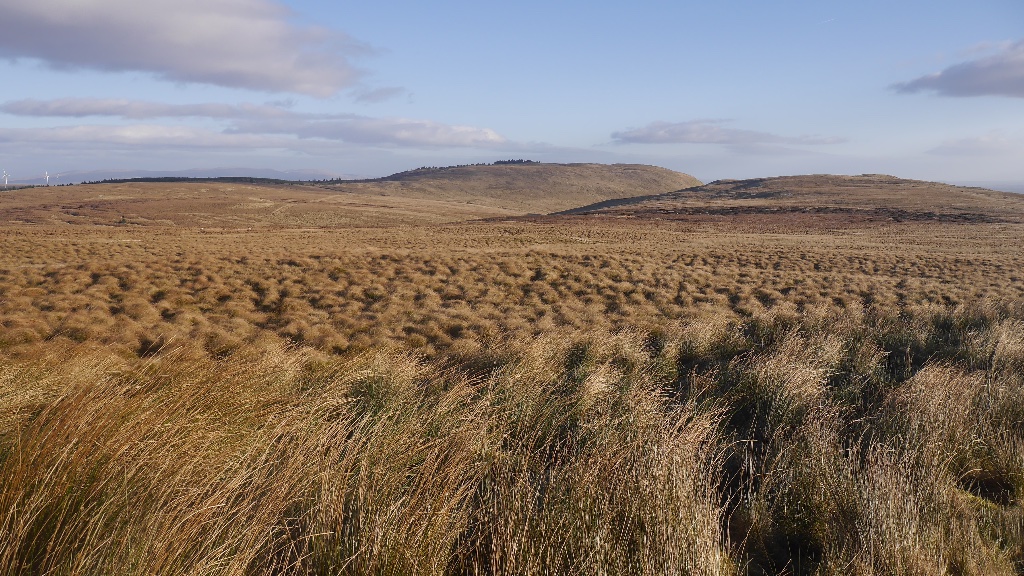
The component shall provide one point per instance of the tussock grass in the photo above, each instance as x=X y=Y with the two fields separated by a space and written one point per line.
x=769 y=445
x=512 y=398
x=280 y=461
x=437 y=289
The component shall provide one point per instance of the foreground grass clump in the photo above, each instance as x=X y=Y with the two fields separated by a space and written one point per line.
x=836 y=442
x=868 y=443
x=273 y=462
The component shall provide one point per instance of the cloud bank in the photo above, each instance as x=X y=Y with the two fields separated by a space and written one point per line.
x=137 y=109
x=153 y=135
x=987 y=146
x=251 y=121
x=708 y=132
x=251 y=44
x=376 y=131
x=1001 y=74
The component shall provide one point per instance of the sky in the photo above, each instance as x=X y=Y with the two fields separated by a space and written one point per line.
x=730 y=89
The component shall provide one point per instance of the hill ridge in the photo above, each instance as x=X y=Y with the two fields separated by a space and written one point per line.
x=528 y=187
x=865 y=196
x=423 y=196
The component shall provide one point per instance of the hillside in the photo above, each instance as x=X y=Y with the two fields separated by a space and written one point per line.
x=433 y=196
x=224 y=205
x=821 y=198
x=533 y=187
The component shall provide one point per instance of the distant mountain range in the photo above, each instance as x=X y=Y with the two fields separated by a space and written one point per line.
x=97 y=175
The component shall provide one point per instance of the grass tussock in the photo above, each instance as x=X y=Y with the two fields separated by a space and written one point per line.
x=281 y=462
x=435 y=289
x=837 y=443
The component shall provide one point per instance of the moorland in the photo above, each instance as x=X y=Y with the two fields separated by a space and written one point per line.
x=512 y=369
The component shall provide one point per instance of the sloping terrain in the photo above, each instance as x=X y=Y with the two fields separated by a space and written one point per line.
x=821 y=198
x=425 y=196
x=532 y=187
x=225 y=205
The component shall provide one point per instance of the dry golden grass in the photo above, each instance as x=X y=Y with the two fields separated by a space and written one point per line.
x=776 y=444
x=279 y=462
x=566 y=395
x=433 y=287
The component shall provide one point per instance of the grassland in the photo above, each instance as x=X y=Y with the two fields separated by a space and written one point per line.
x=816 y=200
x=434 y=287
x=535 y=187
x=639 y=391
x=425 y=196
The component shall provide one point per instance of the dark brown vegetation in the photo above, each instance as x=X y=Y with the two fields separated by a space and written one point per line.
x=801 y=201
x=625 y=393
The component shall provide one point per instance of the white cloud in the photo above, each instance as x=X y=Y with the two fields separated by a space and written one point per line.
x=249 y=44
x=708 y=132
x=1001 y=74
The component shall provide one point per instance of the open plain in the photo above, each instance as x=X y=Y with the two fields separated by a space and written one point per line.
x=517 y=369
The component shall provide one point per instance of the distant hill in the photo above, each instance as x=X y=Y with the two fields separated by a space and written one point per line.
x=527 y=187
x=265 y=173
x=434 y=195
x=869 y=197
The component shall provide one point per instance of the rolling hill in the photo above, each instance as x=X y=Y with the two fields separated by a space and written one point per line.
x=429 y=196
x=822 y=198
x=530 y=187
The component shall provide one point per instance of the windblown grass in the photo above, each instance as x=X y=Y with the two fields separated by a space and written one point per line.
x=777 y=444
x=275 y=461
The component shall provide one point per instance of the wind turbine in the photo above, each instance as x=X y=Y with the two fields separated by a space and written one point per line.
x=47 y=176
x=5 y=179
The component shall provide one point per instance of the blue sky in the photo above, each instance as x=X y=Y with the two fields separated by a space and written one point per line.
x=730 y=89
